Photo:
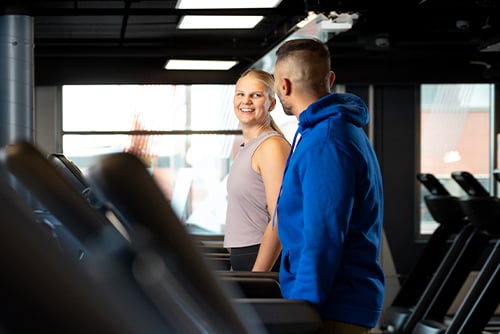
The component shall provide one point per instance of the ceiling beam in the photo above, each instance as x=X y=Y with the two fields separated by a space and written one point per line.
x=46 y=11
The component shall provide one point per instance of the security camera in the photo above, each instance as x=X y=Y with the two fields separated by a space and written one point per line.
x=462 y=24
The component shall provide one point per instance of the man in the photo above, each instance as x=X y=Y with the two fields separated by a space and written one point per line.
x=331 y=206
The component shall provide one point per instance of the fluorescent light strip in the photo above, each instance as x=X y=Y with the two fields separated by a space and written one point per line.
x=218 y=22
x=223 y=4
x=180 y=64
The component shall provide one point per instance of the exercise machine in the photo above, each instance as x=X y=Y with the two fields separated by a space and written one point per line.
x=445 y=209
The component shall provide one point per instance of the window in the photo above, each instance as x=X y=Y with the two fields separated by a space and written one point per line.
x=455 y=136
x=187 y=135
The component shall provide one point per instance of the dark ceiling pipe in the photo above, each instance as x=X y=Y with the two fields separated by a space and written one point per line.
x=161 y=11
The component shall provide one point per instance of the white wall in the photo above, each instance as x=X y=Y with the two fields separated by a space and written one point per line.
x=48 y=118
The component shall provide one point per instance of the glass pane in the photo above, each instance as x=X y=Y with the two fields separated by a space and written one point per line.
x=160 y=107
x=84 y=150
x=455 y=123
x=190 y=170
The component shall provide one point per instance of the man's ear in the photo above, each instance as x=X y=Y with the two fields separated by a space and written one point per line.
x=331 y=78
x=286 y=85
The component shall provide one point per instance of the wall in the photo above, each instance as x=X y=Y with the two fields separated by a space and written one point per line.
x=48 y=118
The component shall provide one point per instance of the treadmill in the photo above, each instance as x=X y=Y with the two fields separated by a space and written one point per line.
x=251 y=284
x=185 y=291
x=481 y=301
x=446 y=211
x=45 y=290
x=133 y=271
x=139 y=199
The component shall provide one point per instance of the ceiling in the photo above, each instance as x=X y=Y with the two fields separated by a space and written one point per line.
x=81 y=42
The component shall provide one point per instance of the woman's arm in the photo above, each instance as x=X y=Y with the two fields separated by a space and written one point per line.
x=269 y=161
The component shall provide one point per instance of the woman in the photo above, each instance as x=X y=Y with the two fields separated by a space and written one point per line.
x=254 y=180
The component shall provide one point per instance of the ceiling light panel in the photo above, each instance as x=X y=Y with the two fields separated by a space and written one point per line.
x=223 y=4
x=218 y=22
x=181 y=64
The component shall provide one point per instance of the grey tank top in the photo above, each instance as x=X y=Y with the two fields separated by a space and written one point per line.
x=247 y=215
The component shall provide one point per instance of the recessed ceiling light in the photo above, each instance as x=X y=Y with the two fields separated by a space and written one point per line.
x=218 y=22
x=182 y=64
x=212 y=4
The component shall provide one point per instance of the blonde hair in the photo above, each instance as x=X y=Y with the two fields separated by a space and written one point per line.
x=268 y=80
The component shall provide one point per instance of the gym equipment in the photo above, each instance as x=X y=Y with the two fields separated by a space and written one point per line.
x=46 y=291
x=158 y=287
x=252 y=285
x=122 y=180
x=445 y=209
x=479 y=305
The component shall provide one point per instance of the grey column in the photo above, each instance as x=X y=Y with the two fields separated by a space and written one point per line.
x=16 y=78
x=16 y=86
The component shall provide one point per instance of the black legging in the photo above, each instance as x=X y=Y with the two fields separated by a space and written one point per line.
x=243 y=258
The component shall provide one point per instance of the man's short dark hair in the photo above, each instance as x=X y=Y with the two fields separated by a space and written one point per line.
x=303 y=44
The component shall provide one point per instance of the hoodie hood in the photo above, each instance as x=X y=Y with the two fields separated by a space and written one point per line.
x=345 y=106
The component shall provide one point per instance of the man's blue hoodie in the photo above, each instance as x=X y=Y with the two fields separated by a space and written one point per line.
x=330 y=214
